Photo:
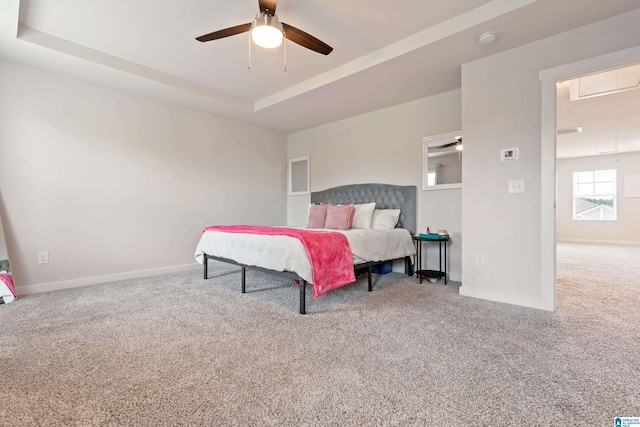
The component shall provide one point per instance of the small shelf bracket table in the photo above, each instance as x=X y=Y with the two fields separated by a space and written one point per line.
x=431 y=274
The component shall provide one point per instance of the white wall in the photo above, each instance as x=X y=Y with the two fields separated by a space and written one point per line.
x=110 y=183
x=3 y=244
x=626 y=228
x=384 y=146
x=450 y=168
x=501 y=108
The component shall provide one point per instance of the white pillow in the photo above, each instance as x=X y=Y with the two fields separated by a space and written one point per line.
x=385 y=219
x=363 y=216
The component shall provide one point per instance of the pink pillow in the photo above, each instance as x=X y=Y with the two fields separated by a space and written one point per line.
x=353 y=215
x=317 y=216
x=339 y=217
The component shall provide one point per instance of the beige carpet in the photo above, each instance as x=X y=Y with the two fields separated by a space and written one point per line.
x=178 y=350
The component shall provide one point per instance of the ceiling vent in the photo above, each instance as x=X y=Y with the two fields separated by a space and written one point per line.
x=564 y=131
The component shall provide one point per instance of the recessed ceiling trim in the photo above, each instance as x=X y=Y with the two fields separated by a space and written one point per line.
x=49 y=41
x=11 y=25
x=428 y=36
x=431 y=35
x=457 y=24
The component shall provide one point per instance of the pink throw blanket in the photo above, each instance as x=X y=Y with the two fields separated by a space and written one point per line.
x=8 y=280
x=329 y=253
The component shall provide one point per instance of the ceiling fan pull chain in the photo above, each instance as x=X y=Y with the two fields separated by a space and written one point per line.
x=284 y=47
x=249 y=49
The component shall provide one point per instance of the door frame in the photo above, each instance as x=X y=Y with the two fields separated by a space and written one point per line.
x=549 y=79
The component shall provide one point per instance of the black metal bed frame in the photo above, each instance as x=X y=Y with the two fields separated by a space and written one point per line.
x=386 y=196
x=408 y=269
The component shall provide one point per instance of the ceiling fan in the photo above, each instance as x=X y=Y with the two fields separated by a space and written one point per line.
x=267 y=31
x=457 y=143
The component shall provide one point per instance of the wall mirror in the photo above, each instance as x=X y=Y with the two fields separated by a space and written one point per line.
x=442 y=161
x=299 y=177
x=7 y=290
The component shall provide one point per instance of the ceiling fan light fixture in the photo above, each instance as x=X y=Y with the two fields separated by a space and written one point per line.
x=459 y=147
x=266 y=31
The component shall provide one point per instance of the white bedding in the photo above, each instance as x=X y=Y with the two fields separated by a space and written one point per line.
x=285 y=253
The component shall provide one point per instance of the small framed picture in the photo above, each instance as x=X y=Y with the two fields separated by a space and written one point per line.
x=509 y=154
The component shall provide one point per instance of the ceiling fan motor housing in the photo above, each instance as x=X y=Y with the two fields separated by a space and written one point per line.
x=268 y=20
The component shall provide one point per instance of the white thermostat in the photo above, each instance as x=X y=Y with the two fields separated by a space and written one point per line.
x=509 y=154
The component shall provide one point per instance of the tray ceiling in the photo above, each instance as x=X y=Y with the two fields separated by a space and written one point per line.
x=385 y=53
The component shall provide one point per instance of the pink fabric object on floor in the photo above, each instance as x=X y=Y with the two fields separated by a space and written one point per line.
x=7 y=279
x=329 y=253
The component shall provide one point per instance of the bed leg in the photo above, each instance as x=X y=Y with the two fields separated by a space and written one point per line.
x=206 y=267
x=408 y=267
x=303 y=285
x=369 y=278
x=244 y=279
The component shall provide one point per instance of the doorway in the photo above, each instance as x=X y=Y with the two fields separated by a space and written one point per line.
x=597 y=157
x=549 y=79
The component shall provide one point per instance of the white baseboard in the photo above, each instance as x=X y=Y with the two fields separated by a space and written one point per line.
x=87 y=281
x=76 y=283
x=601 y=242
x=505 y=298
x=456 y=277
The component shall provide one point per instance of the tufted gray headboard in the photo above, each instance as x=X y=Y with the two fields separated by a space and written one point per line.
x=386 y=197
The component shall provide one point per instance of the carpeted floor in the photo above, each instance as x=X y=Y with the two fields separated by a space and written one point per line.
x=178 y=350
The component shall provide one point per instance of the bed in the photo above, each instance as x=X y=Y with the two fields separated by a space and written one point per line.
x=279 y=253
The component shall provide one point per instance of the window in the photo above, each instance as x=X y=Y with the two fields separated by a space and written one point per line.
x=594 y=195
x=432 y=176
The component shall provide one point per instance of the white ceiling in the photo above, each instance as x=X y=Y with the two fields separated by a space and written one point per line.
x=385 y=53
x=610 y=123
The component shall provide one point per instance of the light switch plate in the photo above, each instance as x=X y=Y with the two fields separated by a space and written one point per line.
x=516 y=186
x=43 y=257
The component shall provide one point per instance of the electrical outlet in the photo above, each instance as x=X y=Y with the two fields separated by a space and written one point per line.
x=480 y=261
x=43 y=257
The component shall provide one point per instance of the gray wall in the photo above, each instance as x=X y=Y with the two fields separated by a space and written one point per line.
x=114 y=185
x=384 y=146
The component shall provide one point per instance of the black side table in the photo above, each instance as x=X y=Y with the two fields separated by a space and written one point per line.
x=431 y=274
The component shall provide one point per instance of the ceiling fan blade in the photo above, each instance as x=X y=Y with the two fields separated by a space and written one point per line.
x=268 y=6
x=451 y=144
x=306 y=40
x=232 y=31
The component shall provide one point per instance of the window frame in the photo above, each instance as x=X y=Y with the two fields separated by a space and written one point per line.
x=575 y=182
